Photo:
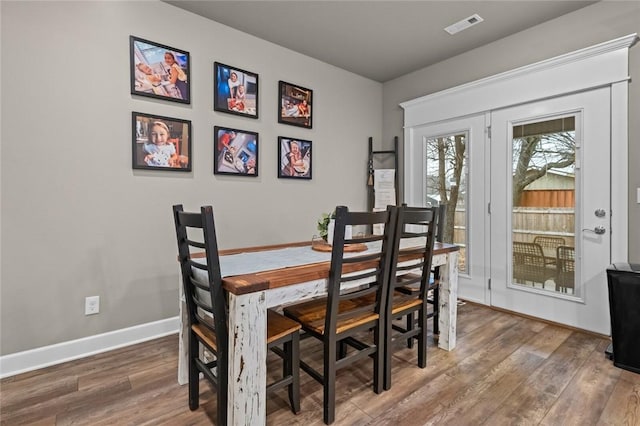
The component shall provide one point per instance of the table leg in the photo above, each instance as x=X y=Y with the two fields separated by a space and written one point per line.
x=247 y=359
x=448 y=302
x=183 y=336
x=183 y=343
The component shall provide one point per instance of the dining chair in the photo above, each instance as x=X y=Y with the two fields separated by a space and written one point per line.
x=409 y=283
x=565 y=276
x=206 y=303
x=549 y=246
x=433 y=293
x=530 y=265
x=355 y=304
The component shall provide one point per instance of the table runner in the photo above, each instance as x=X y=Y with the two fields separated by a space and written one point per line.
x=259 y=261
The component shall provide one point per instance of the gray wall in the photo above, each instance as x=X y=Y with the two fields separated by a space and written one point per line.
x=600 y=22
x=78 y=221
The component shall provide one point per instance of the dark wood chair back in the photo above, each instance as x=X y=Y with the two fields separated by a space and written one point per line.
x=434 y=282
x=349 y=268
x=355 y=303
x=206 y=305
x=413 y=223
x=410 y=281
x=204 y=296
x=442 y=219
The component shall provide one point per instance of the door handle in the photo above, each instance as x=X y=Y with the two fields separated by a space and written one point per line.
x=599 y=230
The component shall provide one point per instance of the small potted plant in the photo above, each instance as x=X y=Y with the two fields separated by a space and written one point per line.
x=323 y=225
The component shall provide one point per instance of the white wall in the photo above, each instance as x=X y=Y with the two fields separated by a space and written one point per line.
x=594 y=24
x=76 y=219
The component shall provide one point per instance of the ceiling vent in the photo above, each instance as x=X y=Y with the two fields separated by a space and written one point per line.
x=464 y=24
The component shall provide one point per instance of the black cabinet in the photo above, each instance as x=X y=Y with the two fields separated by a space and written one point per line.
x=624 y=307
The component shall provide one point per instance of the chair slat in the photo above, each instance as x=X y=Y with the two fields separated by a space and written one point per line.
x=189 y=220
x=364 y=239
x=362 y=276
x=361 y=259
x=197 y=244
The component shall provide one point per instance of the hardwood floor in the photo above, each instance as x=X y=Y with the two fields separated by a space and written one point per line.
x=505 y=370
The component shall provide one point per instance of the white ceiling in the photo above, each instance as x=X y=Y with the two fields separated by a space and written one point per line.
x=380 y=40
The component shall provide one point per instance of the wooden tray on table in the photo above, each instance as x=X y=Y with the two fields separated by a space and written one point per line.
x=321 y=245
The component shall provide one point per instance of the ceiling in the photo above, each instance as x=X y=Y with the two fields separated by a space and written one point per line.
x=380 y=40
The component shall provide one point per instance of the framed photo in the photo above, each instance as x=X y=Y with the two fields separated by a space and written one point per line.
x=235 y=152
x=161 y=143
x=159 y=71
x=235 y=91
x=295 y=105
x=294 y=158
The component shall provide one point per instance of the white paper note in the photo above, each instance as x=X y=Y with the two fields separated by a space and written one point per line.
x=384 y=188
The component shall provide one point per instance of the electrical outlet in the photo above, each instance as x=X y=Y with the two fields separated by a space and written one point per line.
x=92 y=305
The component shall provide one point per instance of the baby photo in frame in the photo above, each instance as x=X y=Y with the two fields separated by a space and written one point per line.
x=294 y=158
x=159 y=71
x=295 y=105
x=235 y=152
x=235 y=91
x=161 y=143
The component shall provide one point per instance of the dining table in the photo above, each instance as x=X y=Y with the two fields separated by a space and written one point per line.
x=270 y=276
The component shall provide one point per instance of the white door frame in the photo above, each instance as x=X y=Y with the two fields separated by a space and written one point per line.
x=605 y=64
x=470 y=282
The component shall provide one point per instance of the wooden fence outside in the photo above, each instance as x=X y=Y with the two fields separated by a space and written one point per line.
x=529 y=223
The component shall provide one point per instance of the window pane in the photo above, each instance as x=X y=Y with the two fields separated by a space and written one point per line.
x=447 y=174
x=544 y=204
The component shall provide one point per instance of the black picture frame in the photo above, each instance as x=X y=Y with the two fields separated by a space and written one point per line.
x=153 y=66
x=235 y=91
x=295 y=105
x=292 y=165
x=150 y=132
x=235 y=152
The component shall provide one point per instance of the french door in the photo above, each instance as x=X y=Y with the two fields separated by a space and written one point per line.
x=550 y=209
x=451 y=160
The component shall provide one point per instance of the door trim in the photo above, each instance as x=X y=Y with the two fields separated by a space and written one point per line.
x=605 y=64
x=471 y=283
x=619 y=173
x=595 y=66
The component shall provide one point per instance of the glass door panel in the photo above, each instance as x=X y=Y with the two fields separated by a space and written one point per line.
x=543 y=204
x=446 y=184
x=445 y=163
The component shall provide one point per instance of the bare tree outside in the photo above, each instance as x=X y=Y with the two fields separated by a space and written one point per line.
x=446 y=182
x=534 y=156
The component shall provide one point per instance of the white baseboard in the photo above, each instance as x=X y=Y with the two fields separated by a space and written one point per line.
x=33 y=359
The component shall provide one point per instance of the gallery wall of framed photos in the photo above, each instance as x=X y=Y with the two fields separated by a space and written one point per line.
x=164 y=143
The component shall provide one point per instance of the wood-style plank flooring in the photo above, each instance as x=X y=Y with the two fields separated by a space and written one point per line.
x=506 y=370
